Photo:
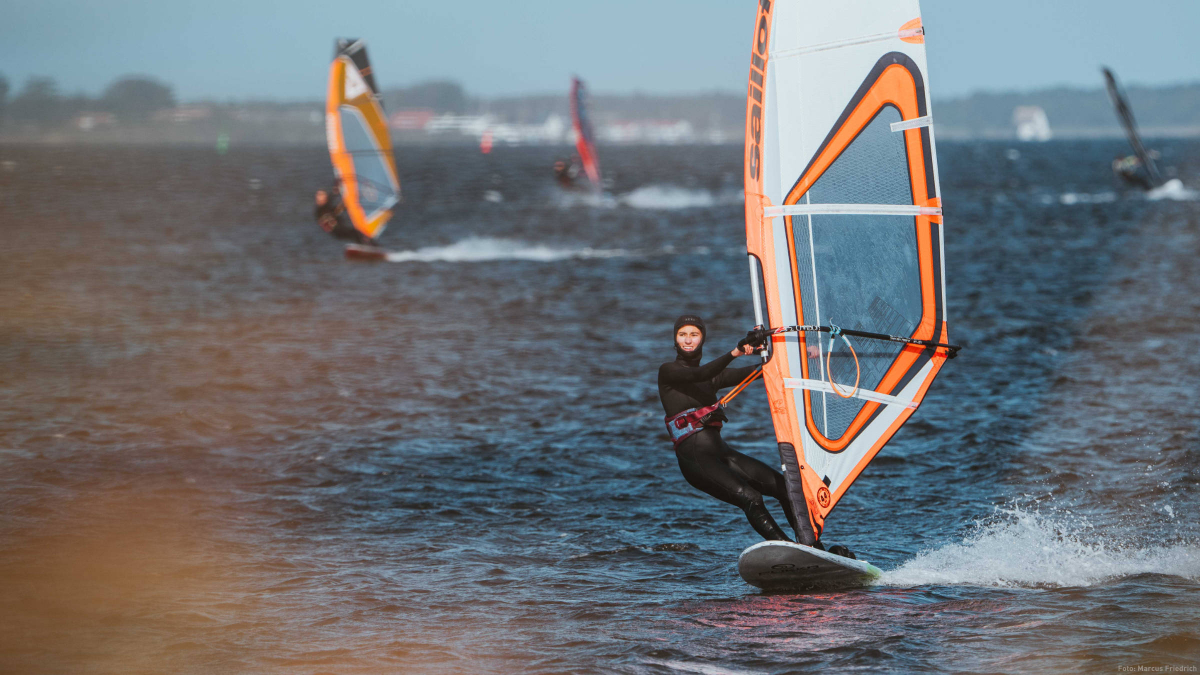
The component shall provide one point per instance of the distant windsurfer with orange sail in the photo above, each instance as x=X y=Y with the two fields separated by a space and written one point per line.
x=368 y=185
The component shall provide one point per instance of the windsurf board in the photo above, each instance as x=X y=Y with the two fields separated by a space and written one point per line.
x=783 y=565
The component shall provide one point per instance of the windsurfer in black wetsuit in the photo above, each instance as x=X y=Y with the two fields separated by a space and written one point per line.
x=331 y=216
x=706 y=460
x=1129 y=169
x=565 y=173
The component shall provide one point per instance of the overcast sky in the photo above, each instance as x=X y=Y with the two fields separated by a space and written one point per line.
x=280 y=48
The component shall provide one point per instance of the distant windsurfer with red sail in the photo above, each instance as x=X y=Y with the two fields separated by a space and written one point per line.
x=583 y=171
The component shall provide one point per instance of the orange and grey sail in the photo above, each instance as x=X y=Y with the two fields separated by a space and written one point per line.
x=585 y=136
x=844 y=231
x=359 y=144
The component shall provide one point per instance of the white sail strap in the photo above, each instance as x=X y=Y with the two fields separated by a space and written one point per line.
x=851 y=209
x=914 y=123
x=865 y=394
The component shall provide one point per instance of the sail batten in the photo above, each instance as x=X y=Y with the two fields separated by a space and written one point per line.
x=844 y=214
x=852 y=209
x=360 y=146
x=850 y=42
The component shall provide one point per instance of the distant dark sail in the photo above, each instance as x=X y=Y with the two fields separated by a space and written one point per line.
x=1125 y=114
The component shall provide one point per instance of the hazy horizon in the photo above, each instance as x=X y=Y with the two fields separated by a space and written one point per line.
x=227 y=50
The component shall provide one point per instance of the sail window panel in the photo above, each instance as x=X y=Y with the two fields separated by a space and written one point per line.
x=863 y=273
x=370 y=164
x=873 y=169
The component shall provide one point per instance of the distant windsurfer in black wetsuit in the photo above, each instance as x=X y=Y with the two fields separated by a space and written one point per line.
x=331 y=216
x=566 y=173
x=1129 y=169
x=563 y=174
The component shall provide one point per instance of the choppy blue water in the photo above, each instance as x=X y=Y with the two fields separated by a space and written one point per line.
x=225 y=449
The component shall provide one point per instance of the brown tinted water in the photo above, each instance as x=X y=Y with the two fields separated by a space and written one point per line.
x=225 y=449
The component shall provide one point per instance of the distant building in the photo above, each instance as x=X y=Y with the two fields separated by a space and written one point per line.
x=653 y=132
x=88 y=121
x=551 y=132
x=414 y=119
x=1031 y=123
x=466 y=125
x=183 y=114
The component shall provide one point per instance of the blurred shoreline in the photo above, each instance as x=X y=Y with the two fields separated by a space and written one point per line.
x=443 y=114
x=149 y=136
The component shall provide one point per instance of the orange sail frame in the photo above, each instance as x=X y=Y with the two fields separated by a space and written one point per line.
x=894 y=82
x=351 y=92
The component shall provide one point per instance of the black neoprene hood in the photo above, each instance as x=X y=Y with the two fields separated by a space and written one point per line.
x=690 y=320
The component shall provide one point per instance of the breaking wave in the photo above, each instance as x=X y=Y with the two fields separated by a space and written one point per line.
x=484 y=249
x=652 y=197
x=1173 y=189
x=1020 y=548
x=671 y=197
x=1070 y=198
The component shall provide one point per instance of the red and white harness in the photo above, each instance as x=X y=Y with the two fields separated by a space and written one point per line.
x=691 y=421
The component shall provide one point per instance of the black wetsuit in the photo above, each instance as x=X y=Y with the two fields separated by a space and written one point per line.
x=1129 y=170
x=706 y=460
x=566 y=175
x=333 y=209
x=1135 y=179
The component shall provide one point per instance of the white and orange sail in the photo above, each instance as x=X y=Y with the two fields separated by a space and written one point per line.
x=844 y=229
x=359 y=144
x=585 y=136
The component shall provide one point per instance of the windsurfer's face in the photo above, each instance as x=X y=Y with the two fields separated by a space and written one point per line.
x=689 y=338
x=322 y=197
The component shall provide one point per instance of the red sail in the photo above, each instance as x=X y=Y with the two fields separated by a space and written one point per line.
x=585 y=137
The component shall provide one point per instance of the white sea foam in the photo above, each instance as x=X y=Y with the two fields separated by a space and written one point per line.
x=1174 y=190
x=484 y=249
x=601 y=200
x=1070 y=198
x=1021 y=548
x=672 y=197
x=702 y=668
x=653 y=197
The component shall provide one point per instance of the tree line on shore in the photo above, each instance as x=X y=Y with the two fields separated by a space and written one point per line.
x=134 y=99
x=130 y=99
